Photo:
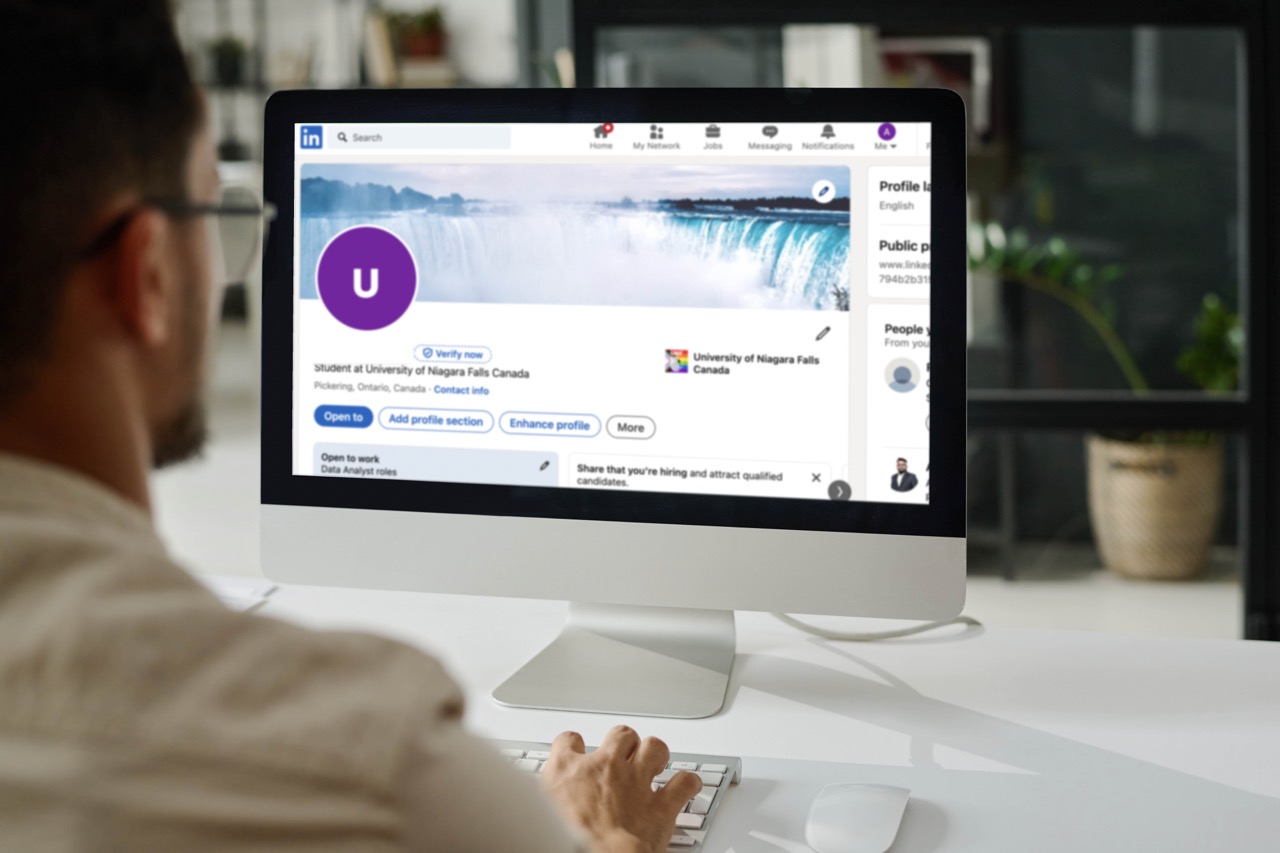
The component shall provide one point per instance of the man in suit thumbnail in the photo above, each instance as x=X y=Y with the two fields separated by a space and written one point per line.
x=904 y=480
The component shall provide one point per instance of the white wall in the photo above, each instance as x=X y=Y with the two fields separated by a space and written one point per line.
x=482 y=33
x=482 y=37
x=482 y=44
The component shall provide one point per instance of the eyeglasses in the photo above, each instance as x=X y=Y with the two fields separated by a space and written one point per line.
x=237 y=221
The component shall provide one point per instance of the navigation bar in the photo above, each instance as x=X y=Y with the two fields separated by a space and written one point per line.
x=609 y=139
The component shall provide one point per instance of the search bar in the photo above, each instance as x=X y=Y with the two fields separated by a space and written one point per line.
x=418 y=136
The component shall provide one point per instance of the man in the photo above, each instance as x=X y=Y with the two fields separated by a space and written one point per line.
x=904 y=480
x=135 y=712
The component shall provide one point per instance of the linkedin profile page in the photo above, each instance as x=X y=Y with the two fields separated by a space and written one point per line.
x=629 y=326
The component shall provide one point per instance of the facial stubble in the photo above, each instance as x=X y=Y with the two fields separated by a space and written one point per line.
x=182 y=436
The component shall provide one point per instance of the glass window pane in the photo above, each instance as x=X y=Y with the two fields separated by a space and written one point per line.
x=689 y=56
x=1124 y=152
x=1110 y=160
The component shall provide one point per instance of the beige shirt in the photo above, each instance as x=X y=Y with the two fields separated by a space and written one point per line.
x=137 y=713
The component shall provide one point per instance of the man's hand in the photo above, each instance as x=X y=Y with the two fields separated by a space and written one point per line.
x=608 y=793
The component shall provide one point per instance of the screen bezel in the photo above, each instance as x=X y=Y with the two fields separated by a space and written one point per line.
x=943 y=516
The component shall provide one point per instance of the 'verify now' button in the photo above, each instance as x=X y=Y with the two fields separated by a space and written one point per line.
x=351 y=417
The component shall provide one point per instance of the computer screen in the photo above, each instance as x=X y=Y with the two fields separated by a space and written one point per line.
x=710 y=308
x=667 y=353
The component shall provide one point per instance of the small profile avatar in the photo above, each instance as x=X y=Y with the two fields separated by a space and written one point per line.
x=902 y=380
x=904 y=480
x=677 y=361
x=902 y=375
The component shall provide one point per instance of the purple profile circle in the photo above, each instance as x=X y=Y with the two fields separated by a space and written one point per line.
x=888 y=131
x=367 y=278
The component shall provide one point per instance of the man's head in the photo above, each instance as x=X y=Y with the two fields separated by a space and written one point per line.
x=105 y=127
x=902 y=465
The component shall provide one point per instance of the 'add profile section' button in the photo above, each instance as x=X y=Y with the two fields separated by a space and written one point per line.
x=350 y=417
x=436 y=420
x=549 y=423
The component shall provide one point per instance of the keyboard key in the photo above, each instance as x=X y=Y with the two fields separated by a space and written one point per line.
x=688 y=765
x=711 y=780
x=528 y=765
x=687 y=820
x=541 y=755
x=511 y=753
x=701 y=804
x=711 y=768
x=682 y=841
x=665 y=776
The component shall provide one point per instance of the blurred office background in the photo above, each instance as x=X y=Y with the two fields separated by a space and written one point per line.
x=1108 y=200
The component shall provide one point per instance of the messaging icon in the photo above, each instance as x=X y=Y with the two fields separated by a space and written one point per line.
x=769 y=130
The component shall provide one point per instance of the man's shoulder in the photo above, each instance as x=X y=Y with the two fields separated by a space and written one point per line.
x=100 y=640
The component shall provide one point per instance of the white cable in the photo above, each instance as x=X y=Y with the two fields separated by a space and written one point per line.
x=875 y=635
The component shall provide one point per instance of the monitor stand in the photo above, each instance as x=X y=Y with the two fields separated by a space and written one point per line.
x=624 y=659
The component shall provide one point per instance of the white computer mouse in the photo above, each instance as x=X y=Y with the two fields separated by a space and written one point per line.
x=855 y=818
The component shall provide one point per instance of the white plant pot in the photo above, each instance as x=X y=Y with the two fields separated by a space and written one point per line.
x=1155 y=508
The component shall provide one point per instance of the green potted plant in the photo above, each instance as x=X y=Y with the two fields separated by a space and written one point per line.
x=419 y=34
x=1155 y=498
x=228 y=57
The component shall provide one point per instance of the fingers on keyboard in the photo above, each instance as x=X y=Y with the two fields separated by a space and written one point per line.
x=695 y=811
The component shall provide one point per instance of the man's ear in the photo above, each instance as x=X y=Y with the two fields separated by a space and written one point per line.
x=142 y=278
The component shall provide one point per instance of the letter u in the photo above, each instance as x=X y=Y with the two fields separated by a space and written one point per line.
x=362 y=291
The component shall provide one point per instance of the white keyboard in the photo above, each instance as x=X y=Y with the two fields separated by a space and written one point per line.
x=717 y=772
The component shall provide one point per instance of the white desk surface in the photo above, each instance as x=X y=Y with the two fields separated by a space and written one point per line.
x=1011 y=740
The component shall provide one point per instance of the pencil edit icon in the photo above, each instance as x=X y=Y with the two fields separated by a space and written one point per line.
x=677 y=361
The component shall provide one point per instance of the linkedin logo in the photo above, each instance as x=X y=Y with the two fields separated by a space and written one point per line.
x=311 y=136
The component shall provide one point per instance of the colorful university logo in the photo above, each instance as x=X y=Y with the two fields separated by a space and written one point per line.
x=677 y=361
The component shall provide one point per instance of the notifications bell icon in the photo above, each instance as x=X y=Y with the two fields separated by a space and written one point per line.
x=827 y=131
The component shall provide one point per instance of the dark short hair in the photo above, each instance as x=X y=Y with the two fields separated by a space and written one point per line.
x=98 y=100
x=900 y=459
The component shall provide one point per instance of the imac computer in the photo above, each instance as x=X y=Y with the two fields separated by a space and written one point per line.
x=664 y=354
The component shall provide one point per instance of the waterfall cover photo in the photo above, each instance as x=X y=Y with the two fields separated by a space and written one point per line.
x=687 y=236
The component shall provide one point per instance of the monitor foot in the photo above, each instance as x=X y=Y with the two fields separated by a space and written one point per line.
x=623 y=659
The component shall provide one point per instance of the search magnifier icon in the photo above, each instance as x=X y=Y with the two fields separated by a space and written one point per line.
x=342 y=136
